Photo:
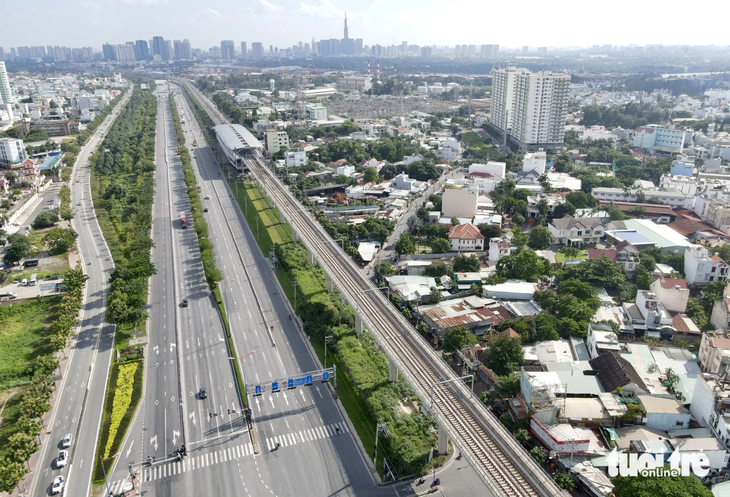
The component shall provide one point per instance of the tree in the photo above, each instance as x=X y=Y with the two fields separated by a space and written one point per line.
x=370 y=175
x=546 y=327
x=405 y=244
x=457 y=338
x=507 y=385
x=564 y=209
x=523 y=265
x=540 y=238
x=522 y=436
x=603 y=272
x=519 y=239
x=11 y=471
x=666 y=486
x=22 y=445
x=59 y=240
x=505 y=354
x=20 y=248
x=438 y=269
x=440 y=246
x=467 y=264
x=568 y=327
x=564 y=482
x=455 y=221
x=521 y=326
x=435 y=296
x=643 y=278
x=546 y=298
x=44 y=219
x=538 y=454
x=490 y=231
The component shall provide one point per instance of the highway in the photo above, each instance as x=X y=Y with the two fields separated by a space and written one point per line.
x=79 y=406
x=502 y=463
x=186 y=349
x=313 y=436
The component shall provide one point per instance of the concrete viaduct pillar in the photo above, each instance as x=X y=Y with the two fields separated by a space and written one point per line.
x=294 y=236
x=358 y=324
x=393 y=371
x=329 y=283
x=310 y=257
x=443 y=441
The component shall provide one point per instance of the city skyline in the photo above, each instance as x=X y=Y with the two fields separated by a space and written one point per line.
x=283 y=23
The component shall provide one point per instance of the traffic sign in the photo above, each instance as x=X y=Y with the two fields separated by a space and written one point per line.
x=309 y=379
x=275 y=386
x=290 y=383
x=325 y=376
x=258 y=390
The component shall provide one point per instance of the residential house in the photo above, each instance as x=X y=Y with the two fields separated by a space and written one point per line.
x=628 y=255
x=693 y=227
x=702 y=268
x=655 y=319
x=656 y=212
x=714 y=354
x=615 y=372
x=551 y=199
x=671 y=292
x=459 y=203
x=601 y=339
x=664 y=412
x=685 y=329
x=449 y=150
x=571 y=231
x=491 y=168
x=474 y=313
x=535 y=161
x=720 y=317
x=717 y=213
x=403 y=182
x=499 y=247
x=672 y=197
x=295 y=157
x=466 y=237
x=711 y=406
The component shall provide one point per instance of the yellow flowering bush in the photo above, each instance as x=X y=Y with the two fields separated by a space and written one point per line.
x=122 y=400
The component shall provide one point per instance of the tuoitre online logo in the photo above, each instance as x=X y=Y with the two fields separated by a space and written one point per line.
x=647 y=465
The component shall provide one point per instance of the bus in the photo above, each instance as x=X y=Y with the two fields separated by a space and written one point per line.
x=183 y=222
x=30 y=263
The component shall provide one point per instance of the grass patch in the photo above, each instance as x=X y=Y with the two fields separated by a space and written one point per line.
x=23 y=337
x=560 y=257
x=477 y=147
x=123 y=393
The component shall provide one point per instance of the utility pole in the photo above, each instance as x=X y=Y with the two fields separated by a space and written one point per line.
x=381 y=428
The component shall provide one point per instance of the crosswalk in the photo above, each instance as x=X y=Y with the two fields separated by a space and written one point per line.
x=307 y=435
x=193 y=462
x=189 y=463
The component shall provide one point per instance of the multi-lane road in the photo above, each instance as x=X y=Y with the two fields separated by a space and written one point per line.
x=79 y=405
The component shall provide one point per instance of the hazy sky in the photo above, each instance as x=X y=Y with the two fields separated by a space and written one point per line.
x=282 y=23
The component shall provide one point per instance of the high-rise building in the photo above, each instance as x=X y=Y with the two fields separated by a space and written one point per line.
x=141 y=50
x=244 y=50
x=228 y=51
x=346 y=34
x=530 y=107
x=2 y=54
x=426 y=52
x=490 y=51
x=159 y=47
x=6 y=95
x=108 y=50
x=177 y=45
x=170 y=50
x=187 y=50
x=257 y=51
x=12 y=151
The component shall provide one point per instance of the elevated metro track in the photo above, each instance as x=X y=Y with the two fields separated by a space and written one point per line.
x=504 y=465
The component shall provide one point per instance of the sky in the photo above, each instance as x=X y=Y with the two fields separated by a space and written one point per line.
x=283 y=23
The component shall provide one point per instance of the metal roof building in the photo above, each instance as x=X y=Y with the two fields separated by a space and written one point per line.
x=236 y=142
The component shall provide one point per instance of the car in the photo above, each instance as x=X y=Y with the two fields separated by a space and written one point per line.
x=207 y=197
x=62 y=459
x=67 y=439
x=203 y=393
x=79 y=203
x=205 y=210
x=57 y=485
x=184 y=303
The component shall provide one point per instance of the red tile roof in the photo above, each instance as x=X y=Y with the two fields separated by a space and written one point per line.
x=596 y=254
x=681 y=323
x=465 y=232
x=510 y=333
x=670 y=283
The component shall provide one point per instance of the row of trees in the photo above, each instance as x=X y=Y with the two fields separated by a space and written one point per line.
x=36 y=400
x=124 y=169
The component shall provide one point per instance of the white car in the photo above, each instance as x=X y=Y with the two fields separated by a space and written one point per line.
x=67 y=441
x=207 y=197
x=57 y=485
x=62 y=459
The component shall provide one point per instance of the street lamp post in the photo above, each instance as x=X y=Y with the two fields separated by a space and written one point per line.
x=104 y=471
x=326 y=341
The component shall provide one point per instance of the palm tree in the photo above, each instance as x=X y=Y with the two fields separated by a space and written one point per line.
x=570 y=253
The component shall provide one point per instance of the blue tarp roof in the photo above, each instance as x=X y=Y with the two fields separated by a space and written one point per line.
x=51 y=162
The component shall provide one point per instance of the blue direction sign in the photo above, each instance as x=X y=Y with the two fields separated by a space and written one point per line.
x=304 y=380
x=290 y=383
x=258 y=390
x=309 y=379
x=274 y=386
x=326 y=376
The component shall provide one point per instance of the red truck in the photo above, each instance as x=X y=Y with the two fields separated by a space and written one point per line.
x=183 y=222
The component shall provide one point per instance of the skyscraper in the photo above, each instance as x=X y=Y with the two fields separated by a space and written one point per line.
x=159 y=47
x=108 y=50
x=6 y=96
x=187 y=50
x=532 y=105
x=257 y=51
x=346 y=37
x=141 y=50
x=228 y=52
x=244 y=50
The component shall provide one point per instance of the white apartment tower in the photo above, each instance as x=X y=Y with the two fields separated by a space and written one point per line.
x=532 y=107
x=6 y=96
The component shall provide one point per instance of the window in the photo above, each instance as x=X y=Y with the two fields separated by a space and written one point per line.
x=680 y=423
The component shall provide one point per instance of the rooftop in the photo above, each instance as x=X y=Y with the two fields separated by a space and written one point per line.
x=236 y=137
x=653 y=403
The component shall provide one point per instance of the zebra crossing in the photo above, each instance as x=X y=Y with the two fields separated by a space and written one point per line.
x=307 y=435
x=189 y=463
